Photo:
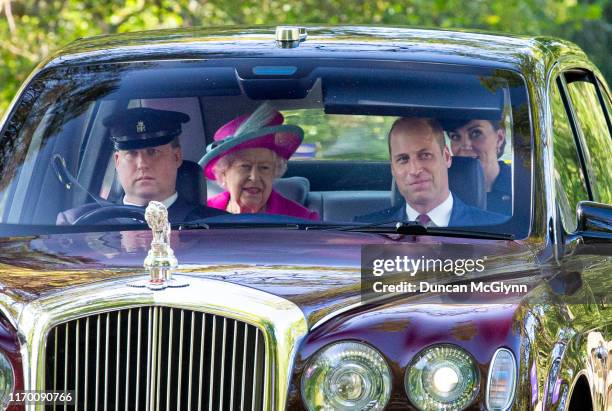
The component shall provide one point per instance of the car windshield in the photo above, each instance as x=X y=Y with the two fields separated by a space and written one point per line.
x=91 y=137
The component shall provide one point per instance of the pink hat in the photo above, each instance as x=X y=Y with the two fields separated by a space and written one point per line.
x=266 y=130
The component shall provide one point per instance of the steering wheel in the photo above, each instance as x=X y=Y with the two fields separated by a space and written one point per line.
x=111 y=212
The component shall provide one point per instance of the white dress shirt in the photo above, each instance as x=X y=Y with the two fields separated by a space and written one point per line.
x=439 y=216
x=167 y=202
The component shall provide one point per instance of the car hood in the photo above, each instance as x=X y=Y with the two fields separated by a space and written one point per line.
x=317 y=270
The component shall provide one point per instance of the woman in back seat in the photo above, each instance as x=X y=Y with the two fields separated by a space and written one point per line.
x=485 y=140
x=247 y=155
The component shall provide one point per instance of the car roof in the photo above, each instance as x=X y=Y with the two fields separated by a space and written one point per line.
x=363 y=42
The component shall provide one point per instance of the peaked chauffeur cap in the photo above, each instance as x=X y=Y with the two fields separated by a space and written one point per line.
x=142 y=127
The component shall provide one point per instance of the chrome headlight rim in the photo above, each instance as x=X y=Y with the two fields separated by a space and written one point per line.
x=421 y=354
x=490 y=375
x=386 y=374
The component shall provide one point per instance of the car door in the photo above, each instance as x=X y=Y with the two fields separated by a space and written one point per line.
x=583 y=165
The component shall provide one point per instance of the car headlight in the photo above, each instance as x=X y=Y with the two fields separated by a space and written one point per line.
x=442 y=377
x=7 y=380
x=346 y=376
x=502 y=380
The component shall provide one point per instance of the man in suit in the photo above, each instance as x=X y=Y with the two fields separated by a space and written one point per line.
x=419 y=164
x=147 y=156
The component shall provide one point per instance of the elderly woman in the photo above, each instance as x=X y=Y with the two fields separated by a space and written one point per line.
x=247 y=155
x=485 y=140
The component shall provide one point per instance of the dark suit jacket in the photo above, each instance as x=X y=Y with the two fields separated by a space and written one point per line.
x=178 y=212
x=461 y=215
x=499 y=199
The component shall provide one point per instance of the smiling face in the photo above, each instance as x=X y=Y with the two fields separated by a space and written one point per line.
x=249 y=180
x=419 y=163
x=477 y=139
x=148 y=174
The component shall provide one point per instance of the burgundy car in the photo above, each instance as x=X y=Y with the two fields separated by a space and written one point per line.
x=334 y=307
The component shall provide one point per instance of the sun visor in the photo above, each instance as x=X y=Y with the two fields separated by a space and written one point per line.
x=413 y=94
x=183 y=81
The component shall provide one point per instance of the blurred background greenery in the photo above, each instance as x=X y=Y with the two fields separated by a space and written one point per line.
x=32 y=29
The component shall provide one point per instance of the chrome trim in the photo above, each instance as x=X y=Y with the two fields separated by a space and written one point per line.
x=97 y=359
x=244 y=349
x=190 y=360
x=105 y=363
x=282 y=322
x=489 y=378
x=233 y=364
x=334 y=314
x=180 y=361
x=224 y=339
x=212 y=357
x=117 y=362
x=66 y=357
x=201 y=371
x=170 y=338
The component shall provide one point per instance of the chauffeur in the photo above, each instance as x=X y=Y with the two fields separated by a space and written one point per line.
x=147 y=157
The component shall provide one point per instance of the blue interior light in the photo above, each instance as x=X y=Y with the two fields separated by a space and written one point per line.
x=274 y=70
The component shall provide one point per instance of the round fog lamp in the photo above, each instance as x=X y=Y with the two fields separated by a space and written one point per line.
x=7 y=379
x=442 y=377
x=346 y=376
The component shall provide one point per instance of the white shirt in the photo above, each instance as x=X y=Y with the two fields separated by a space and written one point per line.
x=439 y=216
x=167 y=202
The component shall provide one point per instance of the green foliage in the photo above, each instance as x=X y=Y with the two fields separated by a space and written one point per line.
x=569 y=180
x=32 y=29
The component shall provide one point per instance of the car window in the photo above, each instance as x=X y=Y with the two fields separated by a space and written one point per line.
x=345 y=109
x=592 y=122
x=341 y=137
x=569 y=176
x=606 y=98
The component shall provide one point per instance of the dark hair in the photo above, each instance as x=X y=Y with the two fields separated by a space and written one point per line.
x=433 y=124
x=496 y=124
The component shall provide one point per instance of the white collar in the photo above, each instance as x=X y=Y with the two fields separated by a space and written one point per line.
x=167 y=202
x=439 y=216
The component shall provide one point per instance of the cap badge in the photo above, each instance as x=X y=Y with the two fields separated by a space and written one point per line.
x=140 y=127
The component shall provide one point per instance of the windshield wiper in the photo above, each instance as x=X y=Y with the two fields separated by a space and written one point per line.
x=192 y=226
x=414 y=228
x=392 y=226
x=208 y=226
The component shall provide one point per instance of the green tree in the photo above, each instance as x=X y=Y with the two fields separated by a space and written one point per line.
x=31 y=30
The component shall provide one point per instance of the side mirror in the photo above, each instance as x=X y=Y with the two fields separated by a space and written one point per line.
x=594 y=217
x=594 y=231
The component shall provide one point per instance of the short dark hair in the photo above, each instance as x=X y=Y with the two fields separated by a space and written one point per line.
x=433 y=124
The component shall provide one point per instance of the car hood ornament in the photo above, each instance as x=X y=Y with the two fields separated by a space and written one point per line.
x=160 y=260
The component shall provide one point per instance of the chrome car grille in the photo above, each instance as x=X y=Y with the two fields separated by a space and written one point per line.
x=157 y=358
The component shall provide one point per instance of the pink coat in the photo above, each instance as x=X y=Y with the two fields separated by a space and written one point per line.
x=277 y=204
